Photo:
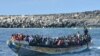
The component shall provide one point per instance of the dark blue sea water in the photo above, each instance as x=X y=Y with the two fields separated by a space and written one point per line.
x=94 y=49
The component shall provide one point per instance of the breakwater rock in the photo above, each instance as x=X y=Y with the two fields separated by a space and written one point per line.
x=77 y=19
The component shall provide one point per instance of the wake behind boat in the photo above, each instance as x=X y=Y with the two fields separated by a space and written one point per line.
x=28 y=45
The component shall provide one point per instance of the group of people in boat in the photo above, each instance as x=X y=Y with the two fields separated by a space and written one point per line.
x=64 y=41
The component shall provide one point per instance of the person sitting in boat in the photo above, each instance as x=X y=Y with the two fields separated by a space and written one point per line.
x=47 y=41
x=78 y=34
x=30 y=38
x=20 y=37
x=13 y=37
x=60 y=42
x=26 y=38
x=66 y=42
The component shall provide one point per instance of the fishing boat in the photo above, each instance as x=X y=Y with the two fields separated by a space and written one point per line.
x=24 y=48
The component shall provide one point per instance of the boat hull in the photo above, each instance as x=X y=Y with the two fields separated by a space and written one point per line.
x=26 y=50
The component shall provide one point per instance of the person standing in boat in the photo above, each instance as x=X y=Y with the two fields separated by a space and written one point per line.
x=85 y=31
x=86 y=36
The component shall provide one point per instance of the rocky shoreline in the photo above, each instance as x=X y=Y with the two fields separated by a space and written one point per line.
x=77 y=19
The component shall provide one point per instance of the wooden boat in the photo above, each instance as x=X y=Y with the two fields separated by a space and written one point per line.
x=23 y=48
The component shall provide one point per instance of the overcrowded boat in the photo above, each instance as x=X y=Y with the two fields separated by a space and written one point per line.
x=30 y=44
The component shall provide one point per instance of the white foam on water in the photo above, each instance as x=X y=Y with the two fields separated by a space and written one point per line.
x=98 y=47
x=90 y=28
x=75 y=28
x=95 y=47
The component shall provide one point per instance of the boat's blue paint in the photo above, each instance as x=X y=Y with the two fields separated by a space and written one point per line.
x=13 y=47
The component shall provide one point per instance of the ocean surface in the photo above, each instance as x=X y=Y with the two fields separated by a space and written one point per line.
x=94 y=50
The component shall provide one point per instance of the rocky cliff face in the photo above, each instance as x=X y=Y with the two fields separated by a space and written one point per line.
x=78 y=19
